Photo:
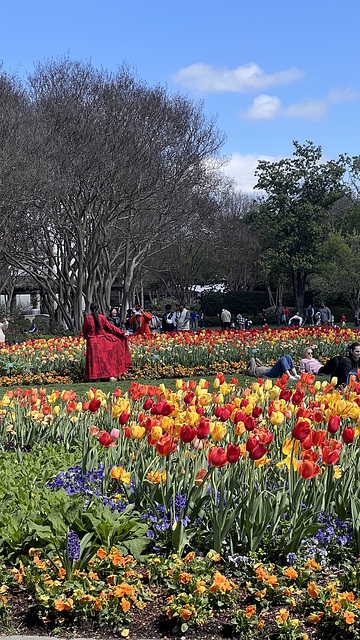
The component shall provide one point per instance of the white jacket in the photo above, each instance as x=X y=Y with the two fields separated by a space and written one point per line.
x=3 y=327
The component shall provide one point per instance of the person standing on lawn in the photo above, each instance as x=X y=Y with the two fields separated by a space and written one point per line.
x=325 y=315
x=107 y=351
x=182 y=318
x=225 y=318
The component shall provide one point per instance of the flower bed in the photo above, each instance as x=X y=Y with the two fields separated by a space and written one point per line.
x=60 y=360
x=216 y=503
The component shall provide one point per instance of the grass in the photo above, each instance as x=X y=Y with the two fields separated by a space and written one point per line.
x=82 y=388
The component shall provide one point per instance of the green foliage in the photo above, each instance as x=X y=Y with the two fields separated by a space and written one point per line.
x=247 y=302
x=293 y=218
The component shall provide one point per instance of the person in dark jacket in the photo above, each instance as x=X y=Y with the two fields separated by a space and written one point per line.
x=348 y=365
x=114 y=318
x=168 y=320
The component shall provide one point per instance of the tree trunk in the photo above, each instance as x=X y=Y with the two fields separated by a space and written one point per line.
x=298 y=280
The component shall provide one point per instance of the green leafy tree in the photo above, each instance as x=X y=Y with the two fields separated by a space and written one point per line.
x=341 y=270
x=294 y=216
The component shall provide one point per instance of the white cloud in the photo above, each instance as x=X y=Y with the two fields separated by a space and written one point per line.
x=204 y=78
x=242 y=169
x=266 y=107
x=315 y=110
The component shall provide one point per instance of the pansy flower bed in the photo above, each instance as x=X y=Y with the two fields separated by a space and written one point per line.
x=210 y=502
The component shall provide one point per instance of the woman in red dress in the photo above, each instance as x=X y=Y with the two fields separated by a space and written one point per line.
x=107 y=351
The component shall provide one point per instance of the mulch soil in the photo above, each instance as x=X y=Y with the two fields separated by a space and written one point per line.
x=147 y=624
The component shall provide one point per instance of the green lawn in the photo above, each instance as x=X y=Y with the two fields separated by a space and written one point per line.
x=109 y=387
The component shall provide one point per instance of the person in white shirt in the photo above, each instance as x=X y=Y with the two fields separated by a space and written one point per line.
x=3 y=326
x=183 y=319
x=296 y=320
x=225 y=318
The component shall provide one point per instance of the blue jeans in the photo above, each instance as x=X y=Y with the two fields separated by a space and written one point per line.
x=281 y=366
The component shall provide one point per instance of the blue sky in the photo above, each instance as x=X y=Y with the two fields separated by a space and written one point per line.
x=272 y=72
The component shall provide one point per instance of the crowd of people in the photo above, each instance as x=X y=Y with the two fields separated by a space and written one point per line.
x=322 y=316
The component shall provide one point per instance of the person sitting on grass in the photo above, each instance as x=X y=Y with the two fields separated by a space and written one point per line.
x=309 y=364
x=348 y=366
x=257 y=369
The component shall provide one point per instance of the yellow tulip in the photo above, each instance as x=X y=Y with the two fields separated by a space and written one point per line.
x=136 y=432
x=268 y=384
x=216 y=383
x=219 y=432
x=277 y=417
x=240 y=429
x=219 y=399
x=56 y=410
x=178 y=385
x=156 y=433
x=116 y=411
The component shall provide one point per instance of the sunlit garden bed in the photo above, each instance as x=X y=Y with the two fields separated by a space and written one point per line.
x=214 y=508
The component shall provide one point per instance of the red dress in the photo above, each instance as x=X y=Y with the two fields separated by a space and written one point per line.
x=107 y=351
x=143 y=323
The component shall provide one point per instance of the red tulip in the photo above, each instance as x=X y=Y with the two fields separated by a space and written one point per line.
x=239 y=416
x=308 y=469
x=167 y=409
x=187 y=433
x=224 y=414
x=330 y=451
x=256 y=412
x=203 y=429
x=318 y=437
x=285 y=394
x=330 y=457
x=148 y=404
x=249 y=423
x=298 y=397
x=94 y=405
x=166 y=445
x=301 y=431
x=333 y=424
x=255 y=448
x=105 y=439
x=348 y=435
x=232 y=453
x=124 y=417
x=217 y=457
